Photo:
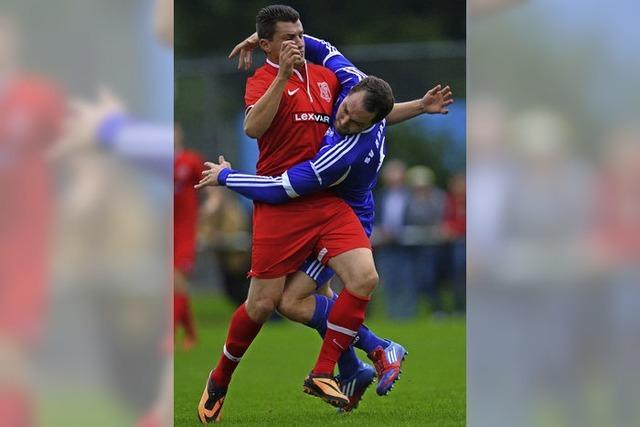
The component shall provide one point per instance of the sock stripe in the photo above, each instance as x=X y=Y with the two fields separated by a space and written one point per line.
x=341 y=329
x=229 y=355
x=316 y=270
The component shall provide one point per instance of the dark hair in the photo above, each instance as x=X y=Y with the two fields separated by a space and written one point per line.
x=269 y=16
x=379 y=96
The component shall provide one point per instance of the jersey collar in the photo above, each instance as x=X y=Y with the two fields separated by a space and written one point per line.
x=296 y=72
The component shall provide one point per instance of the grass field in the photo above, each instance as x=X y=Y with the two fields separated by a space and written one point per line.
x=267 y=386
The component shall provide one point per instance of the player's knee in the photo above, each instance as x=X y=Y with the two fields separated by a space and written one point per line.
x=366 y=282
x=261 y=309
x=288 y=305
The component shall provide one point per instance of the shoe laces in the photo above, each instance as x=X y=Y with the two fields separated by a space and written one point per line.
x=379 y=360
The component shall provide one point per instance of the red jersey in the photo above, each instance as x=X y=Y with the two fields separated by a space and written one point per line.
x=302 y=119
x=187 y=170
x=320 y=223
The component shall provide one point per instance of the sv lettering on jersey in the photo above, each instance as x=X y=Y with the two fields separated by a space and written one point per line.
x=311 y=117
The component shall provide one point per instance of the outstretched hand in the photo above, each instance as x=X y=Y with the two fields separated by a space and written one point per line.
x=210 y=175
x=245 y=51
x=437 y=100
x=83 y=120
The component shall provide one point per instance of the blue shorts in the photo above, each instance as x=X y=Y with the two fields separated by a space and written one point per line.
x=319 y=272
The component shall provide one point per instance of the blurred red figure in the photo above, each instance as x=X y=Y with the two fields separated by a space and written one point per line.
x=617 y=236
x=455 y=211
x=31 y=111
x=186 y=173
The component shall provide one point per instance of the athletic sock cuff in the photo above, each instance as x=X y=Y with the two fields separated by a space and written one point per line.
x=358 y=297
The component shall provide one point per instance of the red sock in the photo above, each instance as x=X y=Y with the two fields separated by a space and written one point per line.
x=179 y=307
x=242 y=331
x=345 y=318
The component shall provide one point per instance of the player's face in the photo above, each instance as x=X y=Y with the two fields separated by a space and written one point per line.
x=352 y=117
x=286 y=31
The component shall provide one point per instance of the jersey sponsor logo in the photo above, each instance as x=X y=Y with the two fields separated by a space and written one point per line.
x=311 y=117
x=325 y=93
x=292 y=92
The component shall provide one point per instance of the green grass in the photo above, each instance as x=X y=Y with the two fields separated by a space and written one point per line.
x=267 y=386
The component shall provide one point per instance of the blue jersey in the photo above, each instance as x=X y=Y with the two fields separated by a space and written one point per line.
x=348 y=163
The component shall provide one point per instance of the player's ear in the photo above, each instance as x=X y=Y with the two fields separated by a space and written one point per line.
x=265 y=45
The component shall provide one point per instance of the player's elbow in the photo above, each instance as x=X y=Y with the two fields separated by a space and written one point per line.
x=252 y=129
x=252 y=132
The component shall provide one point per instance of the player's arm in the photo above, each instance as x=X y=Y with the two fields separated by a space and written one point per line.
x=260 y=116
x=324 y=53
x=105 y=122
x=330 y=166
x=137 y=139
x=435 y=101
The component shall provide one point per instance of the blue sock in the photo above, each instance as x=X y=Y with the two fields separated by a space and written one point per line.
x=348 y=363
x=367 y=341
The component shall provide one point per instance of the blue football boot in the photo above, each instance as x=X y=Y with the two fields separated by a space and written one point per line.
x=355 y=386
x=388 y=363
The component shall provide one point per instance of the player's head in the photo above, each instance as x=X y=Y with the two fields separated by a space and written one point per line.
x=368 y=102
x=276 y=24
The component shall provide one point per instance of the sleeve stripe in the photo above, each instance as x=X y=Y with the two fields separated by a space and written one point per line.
x=331 y=49
x=331 y=152
x=336 y=154
x=331 y=55
x=353 y=70
x=288 y=187
x=249 y=180
x=253 y=184
x=339 y=154
x=313 y=168
x=254 y=177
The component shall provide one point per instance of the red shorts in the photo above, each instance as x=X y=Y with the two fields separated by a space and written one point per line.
x=284 y=236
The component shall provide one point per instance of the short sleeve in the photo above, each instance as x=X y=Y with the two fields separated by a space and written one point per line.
x=255 y=88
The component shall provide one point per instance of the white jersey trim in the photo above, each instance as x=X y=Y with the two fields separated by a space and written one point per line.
x=286 y=183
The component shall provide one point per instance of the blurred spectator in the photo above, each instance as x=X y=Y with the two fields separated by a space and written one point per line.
x=224 y=234
x=490 y=171
x=408 y=238
x=454 y=229
x=424 y=216
x=394 y=262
